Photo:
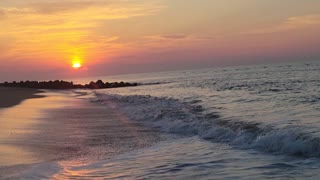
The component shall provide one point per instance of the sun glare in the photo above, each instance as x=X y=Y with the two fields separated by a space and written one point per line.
x=76 y=62
x=76 y=65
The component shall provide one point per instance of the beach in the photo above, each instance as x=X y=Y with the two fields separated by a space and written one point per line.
x=61 y=129
x=248 y=122
x=12 y=96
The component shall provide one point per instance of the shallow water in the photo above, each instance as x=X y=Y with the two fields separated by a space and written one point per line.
x=193 y=158
x=40 y=136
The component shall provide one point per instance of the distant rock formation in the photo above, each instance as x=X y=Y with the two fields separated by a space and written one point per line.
x=66 y=85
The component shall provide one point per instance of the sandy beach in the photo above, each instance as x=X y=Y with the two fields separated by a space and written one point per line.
x=62 y=129
x=13 y=96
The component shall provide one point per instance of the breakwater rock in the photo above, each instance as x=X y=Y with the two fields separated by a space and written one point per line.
x=59 y=84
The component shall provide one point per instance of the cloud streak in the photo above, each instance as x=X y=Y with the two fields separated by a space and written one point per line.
x=65 y=28
x=291 y=23
x=61 y=6
x=178 y=37
x=174 y=36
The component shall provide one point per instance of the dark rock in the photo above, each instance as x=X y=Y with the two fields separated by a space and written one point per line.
x=59 y=84
x=100 y=84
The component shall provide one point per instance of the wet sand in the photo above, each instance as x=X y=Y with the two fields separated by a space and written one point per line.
x=66 y=131
x=13 y=96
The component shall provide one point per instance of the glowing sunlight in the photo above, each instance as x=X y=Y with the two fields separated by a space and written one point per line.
x=76 y=65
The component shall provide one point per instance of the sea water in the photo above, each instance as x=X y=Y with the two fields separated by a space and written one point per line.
x=244 y=122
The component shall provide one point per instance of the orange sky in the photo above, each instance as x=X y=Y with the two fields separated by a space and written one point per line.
x=42 y=38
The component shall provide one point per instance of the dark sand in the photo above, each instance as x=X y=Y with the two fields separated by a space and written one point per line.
x=13 y=96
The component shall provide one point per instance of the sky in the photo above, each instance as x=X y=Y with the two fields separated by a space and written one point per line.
x=40 y=39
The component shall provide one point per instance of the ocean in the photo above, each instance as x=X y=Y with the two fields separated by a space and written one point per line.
x=243 y=122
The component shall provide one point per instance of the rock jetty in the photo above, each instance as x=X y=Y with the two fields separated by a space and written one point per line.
x=59 y=84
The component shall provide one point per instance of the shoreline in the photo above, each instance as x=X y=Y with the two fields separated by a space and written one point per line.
x=61 y=131
x=13 y=96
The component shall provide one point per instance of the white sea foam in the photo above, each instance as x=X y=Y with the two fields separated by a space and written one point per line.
x=173 y=116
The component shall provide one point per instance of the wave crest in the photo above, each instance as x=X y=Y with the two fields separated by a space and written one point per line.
x=173 y=116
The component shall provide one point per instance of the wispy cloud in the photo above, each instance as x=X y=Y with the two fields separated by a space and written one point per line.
x=178 y=37
x=161 y=42
x=291 y=23
x=66 y=27
x=62 y=6
x=174 y=36
x=15 y=11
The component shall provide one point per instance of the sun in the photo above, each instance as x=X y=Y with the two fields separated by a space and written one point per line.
x=76 y=65
x=76 y=62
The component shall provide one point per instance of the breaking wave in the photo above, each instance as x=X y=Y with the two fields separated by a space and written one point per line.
x=173 y=116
